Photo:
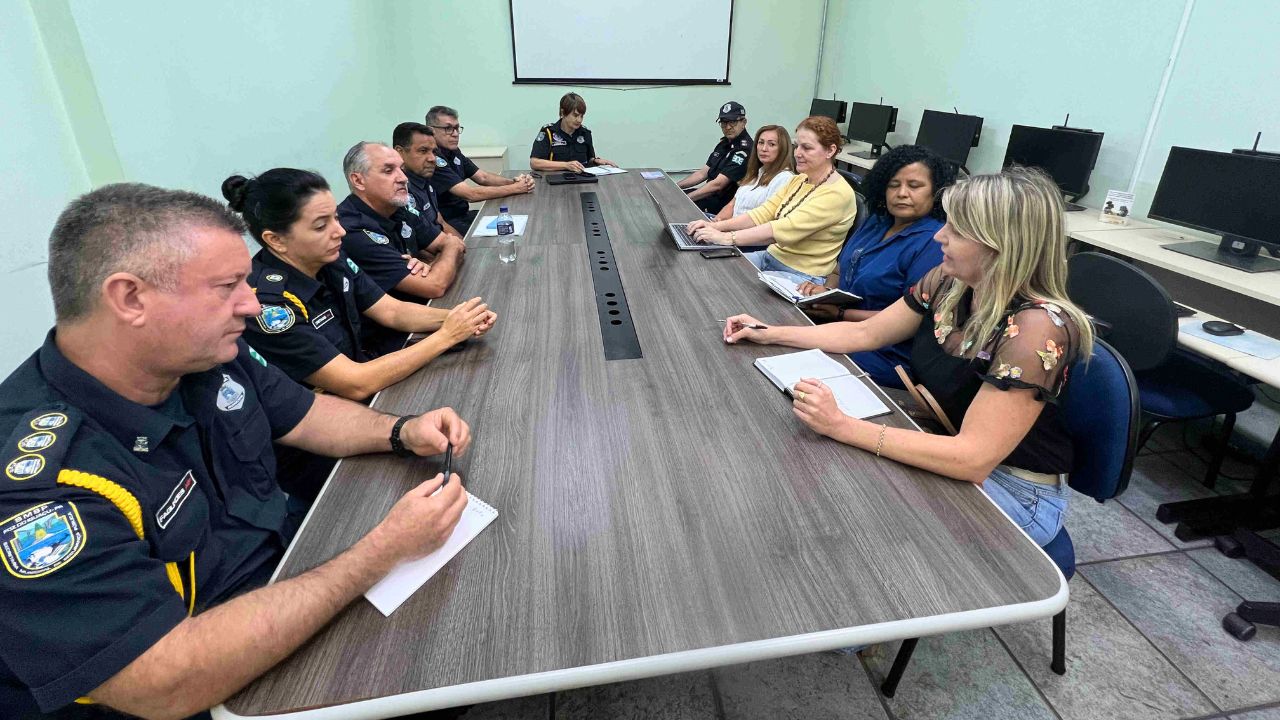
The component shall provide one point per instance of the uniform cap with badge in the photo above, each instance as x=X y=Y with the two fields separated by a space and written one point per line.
x=731 y=111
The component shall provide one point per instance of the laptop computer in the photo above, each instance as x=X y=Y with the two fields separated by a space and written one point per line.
x=570 y=178
x=684 y=241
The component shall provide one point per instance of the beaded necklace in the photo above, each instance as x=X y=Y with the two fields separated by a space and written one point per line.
x=781 y=214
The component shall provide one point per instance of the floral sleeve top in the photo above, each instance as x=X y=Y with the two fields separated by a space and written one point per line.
x=1032 y=350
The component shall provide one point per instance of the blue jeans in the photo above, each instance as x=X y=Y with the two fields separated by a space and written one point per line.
x=1037 y=508
x=764 y=261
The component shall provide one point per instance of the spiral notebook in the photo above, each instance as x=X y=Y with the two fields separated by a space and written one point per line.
x=405 y=579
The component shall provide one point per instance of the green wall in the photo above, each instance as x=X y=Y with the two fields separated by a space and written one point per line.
x=1031 y=63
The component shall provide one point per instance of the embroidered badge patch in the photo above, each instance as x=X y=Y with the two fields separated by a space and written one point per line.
x=441 y=162
x=273 y=277
x=254 y=354
x=413 y=205
x=377 y=237
x=49 y=421
x=177 y=496
x=230 y=395
x=319 y=321
x=39 y=540
x=406 y=232
x=346 y=285
x=24 y=467
x=275 y=319
x=726 y=107
x=582 y=139
x=352 y=264
x=37 y=441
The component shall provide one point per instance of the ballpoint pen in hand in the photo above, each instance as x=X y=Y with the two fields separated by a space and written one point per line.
x=448 y=464
x=748 y=327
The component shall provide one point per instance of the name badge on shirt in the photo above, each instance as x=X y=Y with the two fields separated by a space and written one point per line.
x=177 y=497
x=324 y=317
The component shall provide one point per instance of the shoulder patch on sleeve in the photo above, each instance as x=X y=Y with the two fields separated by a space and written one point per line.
x=36 y=447
x=378 y=238
x=41 y=539
x=275 y=318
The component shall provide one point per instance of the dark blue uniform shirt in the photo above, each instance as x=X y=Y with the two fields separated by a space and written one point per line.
x=452 y=167
x=423 y=201
x=108 y=508
x=553 y=143
x=879 y=270
x=307 y=322
x=729 y=158
x=378 y=243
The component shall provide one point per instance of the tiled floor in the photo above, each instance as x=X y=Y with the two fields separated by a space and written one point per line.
x=1144 y=641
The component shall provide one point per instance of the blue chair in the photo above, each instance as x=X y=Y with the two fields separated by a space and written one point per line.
x=1100 y=409
x=1135 y=315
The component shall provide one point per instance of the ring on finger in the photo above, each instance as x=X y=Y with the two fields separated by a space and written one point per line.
x=800 y=395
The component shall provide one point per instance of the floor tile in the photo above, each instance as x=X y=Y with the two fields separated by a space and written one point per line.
x=1156 y=480
x=1266 y=714
x=1105 y=531
x=961 y=676
x=818 y=686
x=1112 y=670
x=1179 y=605
x=536 y=707
x=1248 y=580
x=672 y=697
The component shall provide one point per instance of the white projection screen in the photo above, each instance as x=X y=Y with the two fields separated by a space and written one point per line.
x=628 y=42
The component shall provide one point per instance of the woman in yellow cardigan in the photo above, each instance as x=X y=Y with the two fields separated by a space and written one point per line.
x=806 y=222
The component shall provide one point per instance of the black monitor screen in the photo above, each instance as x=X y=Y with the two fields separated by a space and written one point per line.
x=833 y=109
x=1221 y=193
x=1067 y=155
x=948 y=134
x=869 y=123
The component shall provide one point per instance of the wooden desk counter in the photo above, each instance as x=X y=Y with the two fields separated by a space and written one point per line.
x=658 y=515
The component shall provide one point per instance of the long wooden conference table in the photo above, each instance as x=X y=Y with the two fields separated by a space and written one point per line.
x=658 y=514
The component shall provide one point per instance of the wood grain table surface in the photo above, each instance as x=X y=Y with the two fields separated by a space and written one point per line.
x=659 y=514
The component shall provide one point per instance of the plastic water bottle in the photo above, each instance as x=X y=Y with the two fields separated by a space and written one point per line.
x=506 y=236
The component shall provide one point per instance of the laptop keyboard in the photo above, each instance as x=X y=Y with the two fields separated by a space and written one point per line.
x=686 y=238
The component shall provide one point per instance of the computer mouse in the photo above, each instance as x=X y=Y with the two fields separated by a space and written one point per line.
x=1221 y=327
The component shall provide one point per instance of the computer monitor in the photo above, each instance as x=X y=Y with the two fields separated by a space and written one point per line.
x=949 y=134
x=871 y=124
x=1068 y=156
x=833 y=109
x=1228 y=194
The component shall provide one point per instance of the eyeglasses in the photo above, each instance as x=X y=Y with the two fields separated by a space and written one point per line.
x=449 y=129
x=730 y=122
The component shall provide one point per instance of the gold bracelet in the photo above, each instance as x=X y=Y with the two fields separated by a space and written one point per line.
x=880 y=443
x=733 y=237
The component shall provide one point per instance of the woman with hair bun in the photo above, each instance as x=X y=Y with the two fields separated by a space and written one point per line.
x=314 y=297
x=805 y=223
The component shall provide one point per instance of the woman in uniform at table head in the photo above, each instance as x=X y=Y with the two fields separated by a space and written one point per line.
x=566 y=144
x=314 y=297
x=893 y=249
x=771 y=166
x=806 y=221
x=993 y=335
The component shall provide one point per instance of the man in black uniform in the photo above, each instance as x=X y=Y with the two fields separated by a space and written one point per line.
x=417 y=147
x=726 y=165
x=139 y=510
x=453 y=170
x=566 y=144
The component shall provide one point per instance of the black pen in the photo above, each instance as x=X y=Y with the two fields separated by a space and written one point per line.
x=748 y=327
x=448 y=464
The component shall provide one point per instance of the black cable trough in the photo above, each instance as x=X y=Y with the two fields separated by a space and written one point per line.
x=616 y=326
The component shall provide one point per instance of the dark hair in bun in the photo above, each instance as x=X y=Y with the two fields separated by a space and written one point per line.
x=273 y=200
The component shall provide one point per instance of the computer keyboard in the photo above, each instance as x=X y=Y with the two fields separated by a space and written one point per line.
x=687 y=239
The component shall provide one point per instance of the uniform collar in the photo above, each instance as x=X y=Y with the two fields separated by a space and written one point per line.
x=358 y=213
x=556 y=126
x=298 y=282
x=416 y=181
x=129 y=422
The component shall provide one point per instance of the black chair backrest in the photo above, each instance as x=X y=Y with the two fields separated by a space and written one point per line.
x=1136 y=314
x=854 y=181
x=862 y=213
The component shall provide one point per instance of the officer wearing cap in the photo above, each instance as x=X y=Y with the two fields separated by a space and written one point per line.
x=714 y=184
x=139 y=478
x=315 y=299
x=417 y=148
x=566 y=144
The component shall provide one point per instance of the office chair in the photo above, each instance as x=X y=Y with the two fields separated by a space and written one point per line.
x=1100 y=409
x=1135 y=315
x=854 y=181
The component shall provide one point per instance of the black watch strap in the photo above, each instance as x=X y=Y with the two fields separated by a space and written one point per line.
x=397 y=446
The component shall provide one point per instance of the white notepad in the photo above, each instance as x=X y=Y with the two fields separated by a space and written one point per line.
x=853 y=397
x=488 y=226
x=603 y=170
x=784 y=285
x=405 y=579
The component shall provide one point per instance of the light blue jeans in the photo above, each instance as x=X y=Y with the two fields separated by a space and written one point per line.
x=764 y=261
x=1037 y=508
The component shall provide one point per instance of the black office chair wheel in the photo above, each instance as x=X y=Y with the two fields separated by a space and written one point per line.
x=1240 y=629
x=1229 y=546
